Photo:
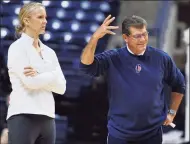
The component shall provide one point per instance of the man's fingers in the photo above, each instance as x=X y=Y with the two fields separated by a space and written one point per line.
x=109 y=21
x=112 y=27
x=167 y=122
x=106 y=19
x=110 y=32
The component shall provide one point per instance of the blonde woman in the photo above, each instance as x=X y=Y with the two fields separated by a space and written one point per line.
x=34 y=73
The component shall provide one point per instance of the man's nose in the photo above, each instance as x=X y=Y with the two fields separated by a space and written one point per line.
x=142 y=38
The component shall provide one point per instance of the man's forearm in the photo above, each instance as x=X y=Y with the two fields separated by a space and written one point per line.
x=87 y=56
x=176 y=99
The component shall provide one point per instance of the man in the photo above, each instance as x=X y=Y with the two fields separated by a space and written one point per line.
x=136 y=77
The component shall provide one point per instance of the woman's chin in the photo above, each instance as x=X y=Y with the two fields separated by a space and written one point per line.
x=42 y=32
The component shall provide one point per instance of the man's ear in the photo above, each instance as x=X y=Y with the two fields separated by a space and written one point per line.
x=125 y=37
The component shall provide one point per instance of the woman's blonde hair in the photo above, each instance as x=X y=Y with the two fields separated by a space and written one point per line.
x=25 y=12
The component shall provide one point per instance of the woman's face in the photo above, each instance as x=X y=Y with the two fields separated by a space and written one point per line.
x=36 y=22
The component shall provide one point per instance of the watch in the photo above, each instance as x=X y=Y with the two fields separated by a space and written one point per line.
x=172 y=112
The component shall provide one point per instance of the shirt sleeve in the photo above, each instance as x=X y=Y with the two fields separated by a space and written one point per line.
x=17 y=60
x=58 y=85
x=99 y=65
x=173 y=77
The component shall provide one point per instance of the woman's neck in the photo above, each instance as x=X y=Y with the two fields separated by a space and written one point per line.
x=35 y=37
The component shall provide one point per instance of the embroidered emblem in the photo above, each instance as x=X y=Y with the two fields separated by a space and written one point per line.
x=138 y=68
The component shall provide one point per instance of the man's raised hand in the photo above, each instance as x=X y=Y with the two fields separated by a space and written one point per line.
x=105 y=28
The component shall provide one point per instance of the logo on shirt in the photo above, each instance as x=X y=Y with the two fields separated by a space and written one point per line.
x=138 y=68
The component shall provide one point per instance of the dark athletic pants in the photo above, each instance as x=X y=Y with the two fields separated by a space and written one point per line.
x=156 y=139
x=31 y=129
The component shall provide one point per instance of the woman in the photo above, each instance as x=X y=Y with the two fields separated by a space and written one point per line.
x=34 y=73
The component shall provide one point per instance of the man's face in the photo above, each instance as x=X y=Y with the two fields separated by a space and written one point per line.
x=137 y=40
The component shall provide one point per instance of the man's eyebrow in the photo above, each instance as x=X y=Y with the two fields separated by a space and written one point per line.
x=141 y=32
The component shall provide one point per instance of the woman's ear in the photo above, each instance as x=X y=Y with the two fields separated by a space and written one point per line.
x=26 y=21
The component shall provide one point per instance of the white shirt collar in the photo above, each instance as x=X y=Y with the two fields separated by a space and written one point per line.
x=132 y=52
x=30 y=40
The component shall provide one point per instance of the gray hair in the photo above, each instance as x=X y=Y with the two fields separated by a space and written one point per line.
x=133 y=21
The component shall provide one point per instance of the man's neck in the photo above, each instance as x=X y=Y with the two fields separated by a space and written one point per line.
x=133 y=52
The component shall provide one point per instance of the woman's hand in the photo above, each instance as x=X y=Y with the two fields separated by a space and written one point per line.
x=29 y=71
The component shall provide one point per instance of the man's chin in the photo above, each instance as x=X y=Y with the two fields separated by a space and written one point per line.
x=142 y=47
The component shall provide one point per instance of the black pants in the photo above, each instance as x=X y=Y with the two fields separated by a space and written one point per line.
x=31 y=129
x=156 y=139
